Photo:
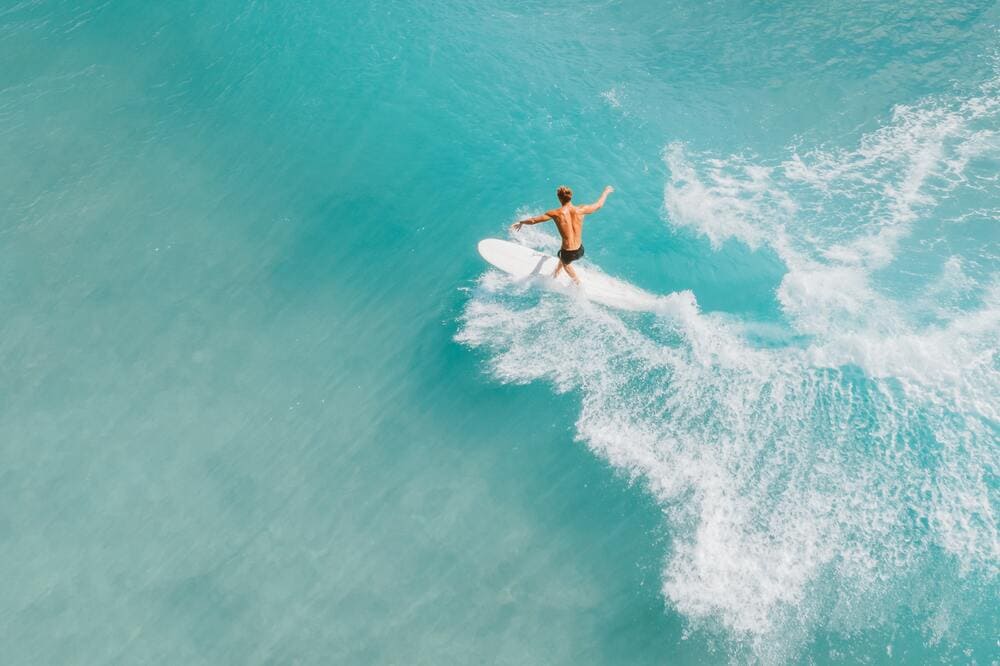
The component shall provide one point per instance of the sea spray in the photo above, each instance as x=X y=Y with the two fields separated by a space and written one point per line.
x=805 y=485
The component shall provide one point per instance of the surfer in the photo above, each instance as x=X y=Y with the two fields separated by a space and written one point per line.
x=569 y=222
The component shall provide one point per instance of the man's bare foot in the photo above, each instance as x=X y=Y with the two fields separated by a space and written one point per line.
x=572 y=273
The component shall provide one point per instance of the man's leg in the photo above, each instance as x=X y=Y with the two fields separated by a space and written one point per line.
x=569 y=271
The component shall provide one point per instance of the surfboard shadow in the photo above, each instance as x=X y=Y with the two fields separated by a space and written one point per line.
x=537 y=270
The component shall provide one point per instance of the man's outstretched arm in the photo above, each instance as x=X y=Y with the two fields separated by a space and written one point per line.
x=532 y=220
x=596 y=206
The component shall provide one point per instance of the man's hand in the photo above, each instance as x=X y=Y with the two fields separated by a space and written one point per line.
x=596 y=206
x=532 y=220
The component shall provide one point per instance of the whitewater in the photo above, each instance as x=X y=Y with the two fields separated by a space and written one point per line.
x=263 y=401
x=809 y=469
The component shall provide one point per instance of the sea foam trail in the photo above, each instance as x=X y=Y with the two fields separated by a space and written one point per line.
x=805 y=486
x=596 y=285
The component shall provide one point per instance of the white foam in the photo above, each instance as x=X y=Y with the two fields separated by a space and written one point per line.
x=613 y=97
x=737 y=202
x=801 y=482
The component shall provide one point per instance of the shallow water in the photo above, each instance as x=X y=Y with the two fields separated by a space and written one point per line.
x=264 y=403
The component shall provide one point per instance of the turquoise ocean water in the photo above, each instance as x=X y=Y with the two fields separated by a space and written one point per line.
x=263 y=403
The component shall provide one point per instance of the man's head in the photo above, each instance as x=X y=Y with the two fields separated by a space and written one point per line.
x=565 y=194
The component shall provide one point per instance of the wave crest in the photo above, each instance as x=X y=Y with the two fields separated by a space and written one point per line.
x=804 y=485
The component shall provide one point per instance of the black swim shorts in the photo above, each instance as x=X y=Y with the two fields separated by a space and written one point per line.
x=569 y=256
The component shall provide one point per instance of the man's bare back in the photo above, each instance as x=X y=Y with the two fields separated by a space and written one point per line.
x=569 y=222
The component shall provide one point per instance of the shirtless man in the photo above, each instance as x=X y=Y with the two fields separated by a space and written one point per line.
x=569 y=222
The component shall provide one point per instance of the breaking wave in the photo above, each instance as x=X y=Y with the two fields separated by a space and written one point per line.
x=804 y=485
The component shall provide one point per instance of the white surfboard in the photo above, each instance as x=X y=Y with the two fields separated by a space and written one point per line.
x=523 y=262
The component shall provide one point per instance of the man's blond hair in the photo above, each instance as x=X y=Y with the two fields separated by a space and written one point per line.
x=565 y=194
